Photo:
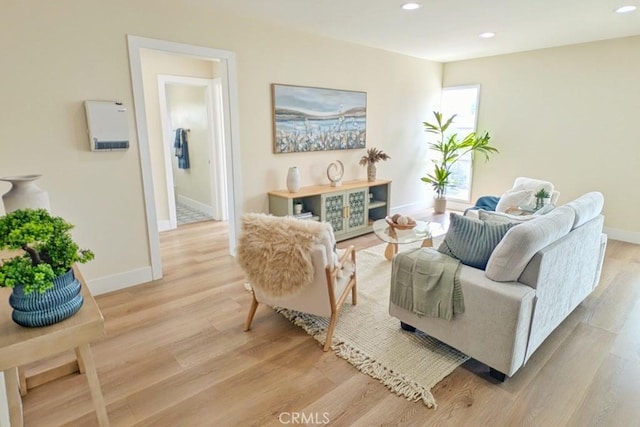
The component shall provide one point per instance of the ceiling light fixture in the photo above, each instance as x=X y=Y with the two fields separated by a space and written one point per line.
x=626 y=9
x=487 y=35
x=411 y=6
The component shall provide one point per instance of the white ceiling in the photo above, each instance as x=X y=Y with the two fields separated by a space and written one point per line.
x=447 y=30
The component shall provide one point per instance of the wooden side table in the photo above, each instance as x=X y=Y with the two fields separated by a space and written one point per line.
x=20 y=346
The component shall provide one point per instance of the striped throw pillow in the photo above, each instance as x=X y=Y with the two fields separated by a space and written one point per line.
x=471 y=240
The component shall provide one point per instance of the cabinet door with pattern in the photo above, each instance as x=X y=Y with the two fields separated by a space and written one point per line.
x=357 y=202
x=333 y=205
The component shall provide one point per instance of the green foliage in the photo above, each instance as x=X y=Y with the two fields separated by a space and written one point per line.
x=49 y=249
x=542 y=194
x=439 y=180
x=450 y=150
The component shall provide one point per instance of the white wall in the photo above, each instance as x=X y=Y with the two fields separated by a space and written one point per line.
x=566 y=114
x=188 y=110
x=55 y=56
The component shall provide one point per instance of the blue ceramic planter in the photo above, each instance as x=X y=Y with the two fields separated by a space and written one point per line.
x=55 y=305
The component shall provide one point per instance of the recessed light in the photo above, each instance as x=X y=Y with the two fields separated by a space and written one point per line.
x=487 y=35
x=626 y=9
x=411 y=6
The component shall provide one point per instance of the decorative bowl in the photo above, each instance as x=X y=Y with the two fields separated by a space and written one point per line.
x=408 y=226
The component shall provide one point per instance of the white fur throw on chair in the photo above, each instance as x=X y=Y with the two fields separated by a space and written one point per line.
x=275 y=252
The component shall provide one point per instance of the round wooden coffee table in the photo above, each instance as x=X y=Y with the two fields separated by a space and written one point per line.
x=423 y=231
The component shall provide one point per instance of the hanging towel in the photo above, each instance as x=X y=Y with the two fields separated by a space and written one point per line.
x=182 y=148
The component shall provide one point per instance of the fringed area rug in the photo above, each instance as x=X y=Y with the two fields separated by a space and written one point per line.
x=409 y=364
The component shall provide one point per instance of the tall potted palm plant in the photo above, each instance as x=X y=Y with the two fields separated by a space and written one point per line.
x=450 y=149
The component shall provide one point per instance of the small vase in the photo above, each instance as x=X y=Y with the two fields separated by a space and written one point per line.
x=53 y=306
x=24 y=193
x=293 y=180
x=371 y=172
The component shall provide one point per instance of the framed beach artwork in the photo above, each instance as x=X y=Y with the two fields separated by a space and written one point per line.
x=317 y=119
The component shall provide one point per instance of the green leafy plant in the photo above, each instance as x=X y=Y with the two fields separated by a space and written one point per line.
x=450 y=150
x=542 y=194
x=48 y=249
x=373 y=156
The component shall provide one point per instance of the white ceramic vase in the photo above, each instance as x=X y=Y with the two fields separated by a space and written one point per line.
x=293 y=180
x=24 y=194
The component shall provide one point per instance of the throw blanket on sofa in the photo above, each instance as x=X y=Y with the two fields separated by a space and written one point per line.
x=427 y=283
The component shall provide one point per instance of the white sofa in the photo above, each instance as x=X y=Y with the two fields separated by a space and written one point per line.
x=535 y=277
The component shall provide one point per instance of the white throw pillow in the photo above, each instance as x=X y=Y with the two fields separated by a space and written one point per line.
x=514 y=199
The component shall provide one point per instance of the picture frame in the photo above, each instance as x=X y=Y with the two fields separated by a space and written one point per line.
x=317 y=119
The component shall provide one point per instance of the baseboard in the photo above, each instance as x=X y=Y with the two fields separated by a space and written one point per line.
x=417 y=207
x=457 y=206
x=164 y=225
x=408 y=208
x=623 y=235
x=194 y=204
x=118 y=281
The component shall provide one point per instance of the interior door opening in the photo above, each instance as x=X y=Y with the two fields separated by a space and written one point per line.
x=230 y=186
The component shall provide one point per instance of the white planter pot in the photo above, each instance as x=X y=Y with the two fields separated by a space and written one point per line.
x=439 y=205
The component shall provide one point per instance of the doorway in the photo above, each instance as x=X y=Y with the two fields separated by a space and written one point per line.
x=197 y=192
x=229 y=128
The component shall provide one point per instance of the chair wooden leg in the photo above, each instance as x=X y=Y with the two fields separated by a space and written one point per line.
x=332 y=327
x=354 y=290
x=354 y=294
x=252 y=312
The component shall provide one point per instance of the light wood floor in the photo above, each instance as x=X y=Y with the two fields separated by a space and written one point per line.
x=176 y=355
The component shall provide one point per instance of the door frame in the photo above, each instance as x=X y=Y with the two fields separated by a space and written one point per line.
x=215 y=143
x=231 y=127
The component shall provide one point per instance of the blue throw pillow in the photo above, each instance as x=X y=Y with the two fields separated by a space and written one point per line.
x=471 y=240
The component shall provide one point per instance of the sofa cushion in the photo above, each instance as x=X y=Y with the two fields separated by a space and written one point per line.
x=514 y=252
x=586 y=207
x=471 y=240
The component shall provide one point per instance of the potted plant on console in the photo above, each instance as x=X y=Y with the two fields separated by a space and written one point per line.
x=45 y=290
x=370 y=159
x=450 y=149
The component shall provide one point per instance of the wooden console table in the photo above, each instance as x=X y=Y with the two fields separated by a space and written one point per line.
x=20 y=346
x=351 y=208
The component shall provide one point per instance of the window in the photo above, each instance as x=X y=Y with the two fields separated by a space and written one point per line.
x=463 y=101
